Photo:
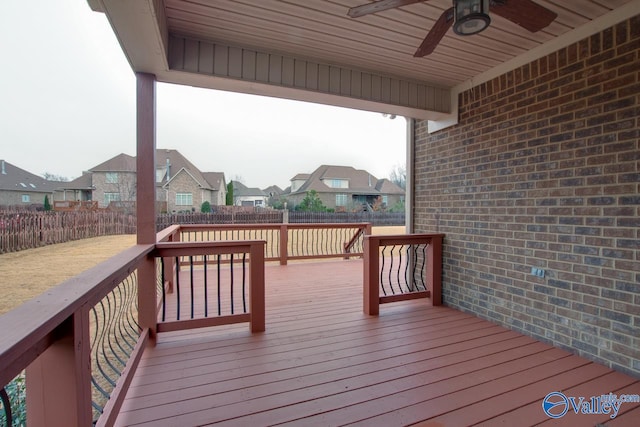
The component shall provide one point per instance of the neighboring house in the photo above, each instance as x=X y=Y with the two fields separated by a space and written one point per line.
x=346 y=188
x=183 y=186
x=114 y=180
x=274 y=194
x=218 y=183
x=180 y=186
x=77 y=190
x=21 y=188
x=245 y=196
x=298 y=181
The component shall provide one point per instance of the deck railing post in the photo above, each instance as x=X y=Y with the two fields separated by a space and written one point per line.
x=171 y=268
x=145 y=197
x=59 y=380
x=284 y=242
x=256 y=287
x=371 y=290
x=434 y=269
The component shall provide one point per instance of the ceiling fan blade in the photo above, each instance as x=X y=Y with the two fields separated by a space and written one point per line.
x=526 y=13
x=378 y=6
x=436 y=34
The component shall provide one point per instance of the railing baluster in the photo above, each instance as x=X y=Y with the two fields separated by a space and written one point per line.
x=244 y=276
x=382 y=266
x=399 y=267
x=206 y=286
x=231 y=269
x=415 y=264
x=178 y=291
x=164 y=292
x=423 y=267
x=393 y=292
x=219 y=300
x=94 y=343
x=191 y=283
x=6 y=405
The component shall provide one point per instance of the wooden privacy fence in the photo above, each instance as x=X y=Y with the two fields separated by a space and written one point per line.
x=27 y=230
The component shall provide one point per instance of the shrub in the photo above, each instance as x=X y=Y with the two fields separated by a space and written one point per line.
x=47 y=204
x=206 y=207
x=16 y=391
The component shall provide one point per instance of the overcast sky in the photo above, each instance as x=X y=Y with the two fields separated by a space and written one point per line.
x=67 y=103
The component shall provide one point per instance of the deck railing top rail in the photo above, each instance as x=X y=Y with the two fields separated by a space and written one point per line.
x=284 y=242
x=192 y=227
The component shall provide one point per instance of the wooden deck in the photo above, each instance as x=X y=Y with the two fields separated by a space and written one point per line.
x=322 y=362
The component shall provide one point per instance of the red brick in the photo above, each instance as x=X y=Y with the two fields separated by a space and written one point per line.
x=545 y=160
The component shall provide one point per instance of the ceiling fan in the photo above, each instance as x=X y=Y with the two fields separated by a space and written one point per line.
x=468 y=17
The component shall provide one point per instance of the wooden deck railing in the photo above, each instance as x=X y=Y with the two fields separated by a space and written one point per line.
x=224 y=284
x=402 y=267
x=283 y=242
x=81 y=341
x=60 y=339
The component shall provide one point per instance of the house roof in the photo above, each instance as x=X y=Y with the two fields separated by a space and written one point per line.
x=82 y=182
x=13 y=178
x=120 y=163
x=177 y=162
x=273 y=190
x=360 y=181
x=215 y=179
x=365 y=62
x=385 y=186
x=301 y=176
x=241 y=190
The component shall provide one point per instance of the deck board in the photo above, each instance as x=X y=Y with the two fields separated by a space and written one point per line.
x=321 y=361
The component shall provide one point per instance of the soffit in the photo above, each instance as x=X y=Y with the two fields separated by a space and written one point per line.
x=320 y=31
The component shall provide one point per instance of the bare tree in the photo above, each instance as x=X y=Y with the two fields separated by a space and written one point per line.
x=54 y=177
x=398 y=176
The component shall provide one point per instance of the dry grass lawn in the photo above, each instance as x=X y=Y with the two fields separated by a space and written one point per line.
x=29 y=273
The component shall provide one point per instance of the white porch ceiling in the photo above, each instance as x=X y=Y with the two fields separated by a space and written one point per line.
x=178 y=40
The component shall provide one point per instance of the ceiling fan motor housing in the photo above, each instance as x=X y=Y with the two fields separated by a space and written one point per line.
x=471 y=16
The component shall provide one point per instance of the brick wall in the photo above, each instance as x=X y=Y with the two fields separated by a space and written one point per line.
x=184 y=183
x=543 y=171
x=125 y=187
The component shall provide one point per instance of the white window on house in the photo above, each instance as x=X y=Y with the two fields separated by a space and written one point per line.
x=184 y=199
x=26 y=198
x=341 y=200
x=338 y=183
x=258 y=203
x=111 y=178
x=111 y=197
x=385 y=200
